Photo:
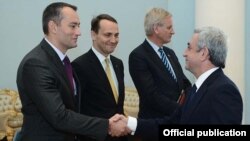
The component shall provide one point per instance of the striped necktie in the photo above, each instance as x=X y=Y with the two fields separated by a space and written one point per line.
x=167 y=63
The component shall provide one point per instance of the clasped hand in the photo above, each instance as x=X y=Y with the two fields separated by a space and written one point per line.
x=118 y=126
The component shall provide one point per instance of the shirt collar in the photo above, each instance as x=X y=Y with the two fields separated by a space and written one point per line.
x=100 y=57
x=154 y=46
x=204 y=76
x=58 y=52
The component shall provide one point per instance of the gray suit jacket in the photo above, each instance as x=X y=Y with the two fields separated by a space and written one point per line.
x=48 y=106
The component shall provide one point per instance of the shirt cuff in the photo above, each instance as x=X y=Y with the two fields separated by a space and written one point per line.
x=132 y=124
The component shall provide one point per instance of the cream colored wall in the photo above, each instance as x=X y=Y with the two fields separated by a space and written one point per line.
x=229 y=15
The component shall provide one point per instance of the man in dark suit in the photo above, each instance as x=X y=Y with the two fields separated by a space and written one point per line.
x=99 y=96
x=48 y=98
x=216 y=99
x=159 y=86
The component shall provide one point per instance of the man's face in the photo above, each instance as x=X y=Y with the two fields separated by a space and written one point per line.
x=165 y=30
x=193 y=55
x=107 y=38
x=68 y=30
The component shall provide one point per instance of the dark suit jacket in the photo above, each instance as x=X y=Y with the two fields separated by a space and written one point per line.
x=48 y=104
x=96 y=96
x=158 y=91
x=217 y=101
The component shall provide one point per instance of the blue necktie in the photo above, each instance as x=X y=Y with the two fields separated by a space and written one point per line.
x=68 y=69
x=167 y=63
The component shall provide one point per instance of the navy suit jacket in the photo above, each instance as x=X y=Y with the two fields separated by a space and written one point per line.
x=48 y=105
x=97 y=98
x=158 y=91
x=217 y=101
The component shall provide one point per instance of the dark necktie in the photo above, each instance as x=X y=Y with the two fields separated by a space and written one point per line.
x=69 y=72
x=191 y=94
x=167 y=63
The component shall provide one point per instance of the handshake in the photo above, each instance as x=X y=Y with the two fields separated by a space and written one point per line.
x=118 y=126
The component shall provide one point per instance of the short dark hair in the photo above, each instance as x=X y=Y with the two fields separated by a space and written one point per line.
x=95 y=23
x=53 y=12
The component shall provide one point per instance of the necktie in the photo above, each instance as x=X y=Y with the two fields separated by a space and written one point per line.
x=191 y=94
x=167 y=63
x=68 y=69
x=111 y=81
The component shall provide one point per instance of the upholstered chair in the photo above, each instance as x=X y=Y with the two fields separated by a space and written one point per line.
x=11 y=117
x=131 y=102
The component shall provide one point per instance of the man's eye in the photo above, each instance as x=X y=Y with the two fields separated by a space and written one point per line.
x=74 y=25
x=107 y=35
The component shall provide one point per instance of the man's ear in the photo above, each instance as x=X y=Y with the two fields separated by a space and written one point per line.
x=52 y=27
x=93 y=35
x=205 y=53
x=155 y=28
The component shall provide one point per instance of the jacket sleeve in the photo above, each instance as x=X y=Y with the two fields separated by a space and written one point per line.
x=45 y=89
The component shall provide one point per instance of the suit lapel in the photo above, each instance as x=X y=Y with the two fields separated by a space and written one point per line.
x=202 y=91
x=57 y=64
x=195 y=102
x=77 y=98
x=101 y=74
x=97 y=66
x=116 y=69
x=173 y=64
x=154 y=56
x=157 y=60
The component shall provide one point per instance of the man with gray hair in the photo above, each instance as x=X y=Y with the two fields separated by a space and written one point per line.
x=155 y=69
x=214 y=99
